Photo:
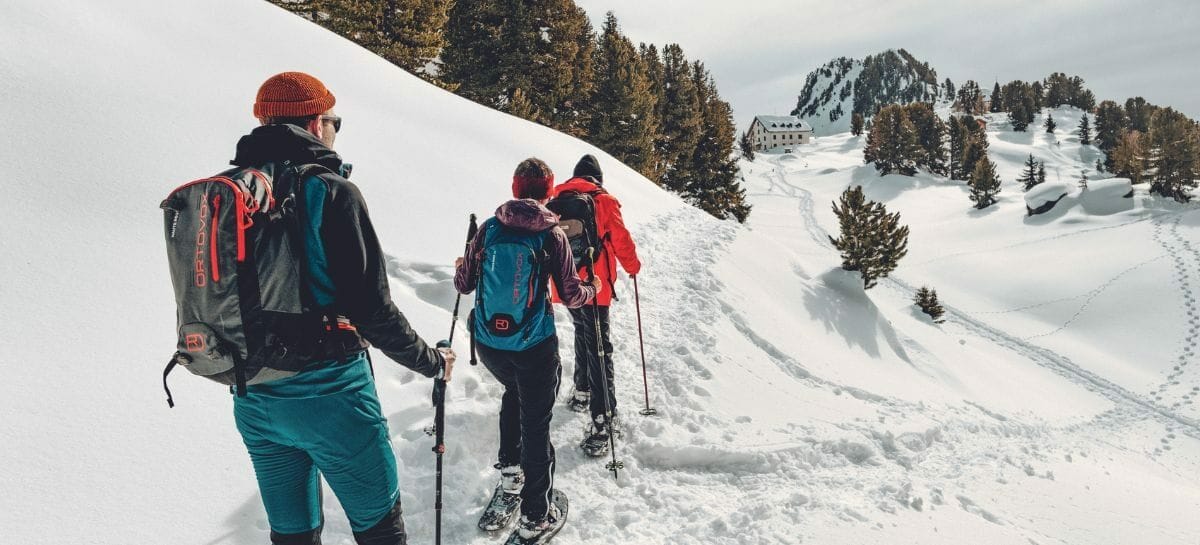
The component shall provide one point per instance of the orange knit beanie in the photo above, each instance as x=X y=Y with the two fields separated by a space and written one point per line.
x=292 y=94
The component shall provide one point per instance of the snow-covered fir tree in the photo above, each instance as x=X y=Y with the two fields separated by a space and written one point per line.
x=872 y=241
x=984 y=183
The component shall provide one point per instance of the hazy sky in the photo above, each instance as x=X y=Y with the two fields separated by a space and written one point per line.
x=760 y=51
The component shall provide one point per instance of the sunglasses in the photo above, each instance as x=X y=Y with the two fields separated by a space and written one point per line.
x=337 y=121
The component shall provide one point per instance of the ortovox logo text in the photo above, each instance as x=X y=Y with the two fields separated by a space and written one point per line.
x=201 y=242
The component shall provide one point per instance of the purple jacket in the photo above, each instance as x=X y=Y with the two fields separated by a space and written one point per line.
x=529 y=215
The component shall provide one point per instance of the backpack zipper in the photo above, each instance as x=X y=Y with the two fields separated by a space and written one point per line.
x=212 y=240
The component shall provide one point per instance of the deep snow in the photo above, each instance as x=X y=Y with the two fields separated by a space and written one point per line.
x=1055 y=405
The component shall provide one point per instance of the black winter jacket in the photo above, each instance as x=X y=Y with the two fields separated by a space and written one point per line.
x=355 y=261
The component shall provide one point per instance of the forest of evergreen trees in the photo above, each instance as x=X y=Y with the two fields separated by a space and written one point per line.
x=1140 y=141
x=655 y=110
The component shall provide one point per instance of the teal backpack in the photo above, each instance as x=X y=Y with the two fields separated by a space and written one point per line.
x=512 y=303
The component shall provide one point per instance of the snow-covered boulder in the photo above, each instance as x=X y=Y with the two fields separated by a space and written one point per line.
x=1110 y=196
x=1043 y=197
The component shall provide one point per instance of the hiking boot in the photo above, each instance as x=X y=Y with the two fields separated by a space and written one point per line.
x=579 y=401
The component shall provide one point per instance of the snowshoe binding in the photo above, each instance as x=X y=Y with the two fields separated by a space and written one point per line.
x=506 y=500
x=579 y=401
x=541 y=532
x=597 y=441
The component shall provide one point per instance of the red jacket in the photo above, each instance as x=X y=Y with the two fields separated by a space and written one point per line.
x=616 y=243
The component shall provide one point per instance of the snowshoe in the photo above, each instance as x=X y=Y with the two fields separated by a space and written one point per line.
x=506 y=500
x=597 y=442
x=541 y=532
x=579 y=401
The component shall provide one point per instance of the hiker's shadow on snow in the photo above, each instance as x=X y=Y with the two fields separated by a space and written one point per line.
x=838 y=300
x=431 y=283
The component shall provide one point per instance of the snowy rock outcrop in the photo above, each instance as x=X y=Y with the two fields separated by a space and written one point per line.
x=1104 y=197
x=833 y=92
x=1043 y=197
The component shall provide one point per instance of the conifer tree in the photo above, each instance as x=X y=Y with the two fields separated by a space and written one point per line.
x=871 y=240
x=892 y=143
x=519 y=105
x=746 y=145
x=958 y=138
x=1050 y=125
x=714 y=184
x=927 y=300
x=1083 y=179
x=931 y=135
x=1138 y=112
x=974 y=149
x=654 y=74
x=543 y=47
x=1099 y=166
x=997 y=103
x=1017 y=117
x=1029 y=176
x=856 y=124
x=407 y=33
x=679 y=131
x=1041 y=173
x=1085 y=131
x=1129 y=159
x=949 y=87
x=471 y=58
x=970 y=98
x=623 y=108
x=984 y=183
x=1110 y=124
x=1173 y=155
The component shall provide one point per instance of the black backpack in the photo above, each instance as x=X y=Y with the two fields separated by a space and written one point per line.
x=235 y=255
x=577 y=218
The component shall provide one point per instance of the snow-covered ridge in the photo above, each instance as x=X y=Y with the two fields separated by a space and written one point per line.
x=834 y=91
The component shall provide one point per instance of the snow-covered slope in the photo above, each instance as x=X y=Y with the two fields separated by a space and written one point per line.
x=842 y=86
x=794 y=406
x=1076 y=330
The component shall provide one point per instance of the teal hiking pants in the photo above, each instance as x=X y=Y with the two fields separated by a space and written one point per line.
x=325 y=420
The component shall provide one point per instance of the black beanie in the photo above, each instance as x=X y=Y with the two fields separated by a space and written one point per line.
x=589 y=167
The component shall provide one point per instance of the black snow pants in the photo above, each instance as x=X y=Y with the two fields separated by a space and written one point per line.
x=588 y=377
x=530 y=380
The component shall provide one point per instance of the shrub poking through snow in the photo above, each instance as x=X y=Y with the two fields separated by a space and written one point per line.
x=927 y=299
x=872 y=241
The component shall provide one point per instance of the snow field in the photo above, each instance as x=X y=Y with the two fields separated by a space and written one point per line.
x=794 y=407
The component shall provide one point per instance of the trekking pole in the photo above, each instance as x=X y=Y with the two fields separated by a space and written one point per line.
x=637 y=302
x=471 y=229
x=439 y=405
x=614 y=465
x=439 y=447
